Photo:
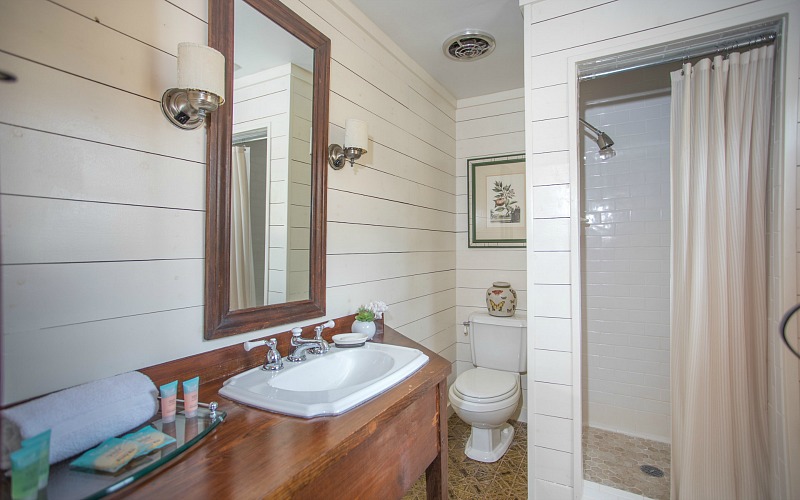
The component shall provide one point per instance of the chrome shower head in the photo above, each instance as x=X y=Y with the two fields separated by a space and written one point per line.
x=604 y=142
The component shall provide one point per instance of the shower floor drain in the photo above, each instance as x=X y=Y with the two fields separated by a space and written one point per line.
x=652 y=470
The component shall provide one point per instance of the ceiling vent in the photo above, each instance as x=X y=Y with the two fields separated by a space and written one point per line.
x=469 y=45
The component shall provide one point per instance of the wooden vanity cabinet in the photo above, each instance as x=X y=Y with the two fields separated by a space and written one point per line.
x=375 y=451
x=387 y=463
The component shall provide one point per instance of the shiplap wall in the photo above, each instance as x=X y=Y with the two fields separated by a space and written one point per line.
x=391 y=218
x=103 y=199
x=261 y=105
x=298 y=199
x=597 y=28
x=279 y=101
x=492 y=124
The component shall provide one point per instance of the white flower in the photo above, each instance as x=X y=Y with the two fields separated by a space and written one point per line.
x=378 y=308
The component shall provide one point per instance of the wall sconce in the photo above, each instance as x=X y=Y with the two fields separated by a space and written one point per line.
x=355 y=144
x=201 y=86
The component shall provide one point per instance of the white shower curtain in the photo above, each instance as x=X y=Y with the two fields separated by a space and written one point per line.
x=243 y=290
x=719 y=153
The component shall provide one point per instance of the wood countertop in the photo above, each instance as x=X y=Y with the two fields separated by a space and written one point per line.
x=258 y=454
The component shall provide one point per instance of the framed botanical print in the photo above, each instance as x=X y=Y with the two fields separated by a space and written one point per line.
x=496 y=201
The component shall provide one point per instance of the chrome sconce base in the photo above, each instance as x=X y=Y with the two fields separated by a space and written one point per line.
x=338 y=155
x=186 y=108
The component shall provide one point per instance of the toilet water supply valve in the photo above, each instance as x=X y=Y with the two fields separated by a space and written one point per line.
x=466 y=328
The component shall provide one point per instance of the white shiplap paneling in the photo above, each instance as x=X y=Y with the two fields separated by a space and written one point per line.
x=74 y=293
x=107 y=197
x=64 y=167
x=486 y=125
x=45 y=230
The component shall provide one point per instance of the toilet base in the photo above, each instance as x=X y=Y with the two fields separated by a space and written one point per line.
x=489 y=445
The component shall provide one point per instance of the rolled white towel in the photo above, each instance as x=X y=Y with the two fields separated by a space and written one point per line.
x=81 y=417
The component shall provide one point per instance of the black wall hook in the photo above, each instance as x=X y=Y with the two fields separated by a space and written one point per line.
x=782 y=328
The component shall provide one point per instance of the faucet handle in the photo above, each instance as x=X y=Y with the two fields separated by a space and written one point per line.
x=323 y=345
x=318 y=329
x=297 y=340
x=248 y=346
x=273 y=360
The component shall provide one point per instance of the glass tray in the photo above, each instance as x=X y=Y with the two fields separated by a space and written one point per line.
x=67 y=484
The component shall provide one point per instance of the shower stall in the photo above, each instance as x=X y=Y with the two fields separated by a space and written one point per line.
x=625 y=276
x=626 y=280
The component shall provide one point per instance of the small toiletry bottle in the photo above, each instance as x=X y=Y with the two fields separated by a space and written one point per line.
x=190 y=389
x=41 y=443
x=24 y=473
x=169 y=397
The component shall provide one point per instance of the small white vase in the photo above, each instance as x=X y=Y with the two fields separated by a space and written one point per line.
x=365 y=327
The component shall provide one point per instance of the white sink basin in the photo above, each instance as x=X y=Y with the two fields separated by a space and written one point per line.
x=329 y=384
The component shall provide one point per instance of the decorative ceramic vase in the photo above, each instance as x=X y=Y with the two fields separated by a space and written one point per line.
x=501 y=299
x=365 y=327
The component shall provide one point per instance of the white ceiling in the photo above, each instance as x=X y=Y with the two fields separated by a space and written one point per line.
x=420 y=27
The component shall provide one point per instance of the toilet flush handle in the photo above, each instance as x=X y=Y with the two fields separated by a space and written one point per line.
x=466 y=328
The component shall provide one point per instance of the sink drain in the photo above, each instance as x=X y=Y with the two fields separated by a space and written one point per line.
x=652 y=470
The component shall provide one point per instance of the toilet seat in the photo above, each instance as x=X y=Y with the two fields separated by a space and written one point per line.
x=482 y=385
x=460 y=403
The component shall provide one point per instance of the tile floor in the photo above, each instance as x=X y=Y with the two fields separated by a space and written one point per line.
x=613 y=459
x=611 y=467
x=468 y=479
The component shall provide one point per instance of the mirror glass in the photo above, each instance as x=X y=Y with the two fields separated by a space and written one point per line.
x=266 y=175
x=270 y=162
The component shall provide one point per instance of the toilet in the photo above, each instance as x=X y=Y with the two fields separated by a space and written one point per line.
x=485 y=397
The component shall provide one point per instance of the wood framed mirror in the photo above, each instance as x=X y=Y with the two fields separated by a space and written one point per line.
x=277 y=84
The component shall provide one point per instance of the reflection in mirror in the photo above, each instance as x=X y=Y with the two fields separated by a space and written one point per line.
x=270 y=163
x=266 y=174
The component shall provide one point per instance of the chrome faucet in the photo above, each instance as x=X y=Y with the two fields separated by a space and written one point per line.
x=324 y=347
x=273 y=360
x=317 y=345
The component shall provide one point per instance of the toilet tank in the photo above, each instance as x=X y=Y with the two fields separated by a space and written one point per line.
x=499 y=343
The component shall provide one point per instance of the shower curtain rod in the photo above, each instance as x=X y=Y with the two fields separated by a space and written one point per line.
x=691 y=53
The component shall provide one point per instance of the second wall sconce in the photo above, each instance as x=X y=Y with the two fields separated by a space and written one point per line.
x=355 y=144
x=201 y=86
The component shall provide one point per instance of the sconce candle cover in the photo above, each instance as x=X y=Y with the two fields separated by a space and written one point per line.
x=355 y=134
x=355 y=144
x=201 y=68
x=201 y=86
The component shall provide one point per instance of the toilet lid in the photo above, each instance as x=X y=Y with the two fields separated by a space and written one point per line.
x=485 y=385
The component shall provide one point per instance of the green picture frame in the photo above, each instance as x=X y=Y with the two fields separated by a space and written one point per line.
x=497 y=214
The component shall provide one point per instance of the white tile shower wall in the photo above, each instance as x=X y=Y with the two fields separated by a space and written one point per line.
x=592 y=27
x=626 y=238
x=487 y=125
x=103 y=200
